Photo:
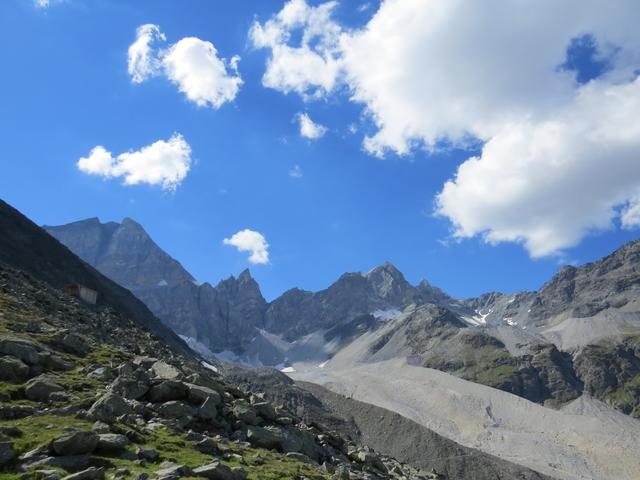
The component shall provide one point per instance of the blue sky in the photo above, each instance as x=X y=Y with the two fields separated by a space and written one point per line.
x=66 y=89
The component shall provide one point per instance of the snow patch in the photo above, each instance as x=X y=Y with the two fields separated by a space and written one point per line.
x=163 y=283
x=479 y=318
x=510 y=321
x=287 y=370
x=323 y=364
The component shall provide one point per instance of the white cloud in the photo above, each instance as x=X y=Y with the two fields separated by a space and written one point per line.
x=311 y=67
x=308 y=128
x=296 y=172
x=250 y=241
x=630 y=216
x=194 y=66
x=143 y=61
x=191 y=64
x=41 y=3
x=559 y=158
x=549 y=183
x=164 y=163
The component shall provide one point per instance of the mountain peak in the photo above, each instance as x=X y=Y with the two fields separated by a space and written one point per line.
x=245 y=275
x=387 y=267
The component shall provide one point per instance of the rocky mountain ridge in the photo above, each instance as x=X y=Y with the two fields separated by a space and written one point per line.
x=577 y=334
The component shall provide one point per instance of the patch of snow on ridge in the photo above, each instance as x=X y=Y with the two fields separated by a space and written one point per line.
x=323 y=364
x=510 y=321
x=287 y=370
x=163 y=283
x=386 y=315
x=479 y=318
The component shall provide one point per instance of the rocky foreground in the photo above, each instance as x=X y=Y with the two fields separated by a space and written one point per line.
x=86 y=393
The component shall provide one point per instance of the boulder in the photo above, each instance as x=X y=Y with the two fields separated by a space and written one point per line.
x=73 y=343
x=91 y=473
x=75 y=442
x=170 y=470
x=20 y=348
x=371 y=460
x=13 y=370
x=165 y=371
x=264 y=438
x=133 y=387
x=109 y=407
x=265 y=410
x=198 y=394
x=167 y=390
x=245 y=413
x=112 y=443
x=7 y=452
x=147 y=454
x=208 y=409
x=176 y=409
x=40 y=388
x=301 y=457
x=302 y=441
x=68 y=462
x=207 y=445
x=215 y=471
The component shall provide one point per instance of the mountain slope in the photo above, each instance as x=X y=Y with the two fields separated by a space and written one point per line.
x=221 y=317
x=88 y=392
x=28 y=247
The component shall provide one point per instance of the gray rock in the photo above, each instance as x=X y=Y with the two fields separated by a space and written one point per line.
x=147 y=454
x=342 y=473
x=198 y=394
x=112 y=443
x=165 y=371
x=91 y=473
x=215 y=471
x=10 y=431
x=265 y=410
x=13 y=370
x=25 y=350
x=101 y=427
x=40 y=388
x=133 y=387
x=208 y=409
x=245 y=413
x=207 y=445
x=176 y=409
x=239 y=473
x=109 y=407
x=371 y=460
x=76 y=442
x=68 y=462
x=264 y=438
x=170 y=470
x=7 y=452
x=74 y=343
x=300 y=457
x=167 y=390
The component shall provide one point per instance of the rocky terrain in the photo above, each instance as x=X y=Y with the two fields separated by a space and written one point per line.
x=91 y=392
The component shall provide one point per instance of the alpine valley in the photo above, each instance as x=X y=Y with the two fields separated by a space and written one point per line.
x=526 y=385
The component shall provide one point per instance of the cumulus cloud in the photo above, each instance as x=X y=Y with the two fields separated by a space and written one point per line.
x=630 y=216
x=559 y=154
x=548 y=183
x=143 y=61
x=163 y=163
x=250 y=241
x=191 y=64
x=308 y=128
x=311 y=66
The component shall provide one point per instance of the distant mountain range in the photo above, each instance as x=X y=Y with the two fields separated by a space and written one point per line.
x=578 y=333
